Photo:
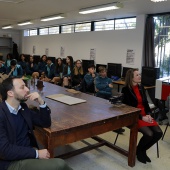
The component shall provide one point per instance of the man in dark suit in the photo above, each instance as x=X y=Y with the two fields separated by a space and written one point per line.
x=18 y=146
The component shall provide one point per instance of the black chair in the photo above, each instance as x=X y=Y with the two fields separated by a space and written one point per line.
x=165 y=130
x=156 y=144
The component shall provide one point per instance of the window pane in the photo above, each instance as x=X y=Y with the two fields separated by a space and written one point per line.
x=43 y=31
x=162 y=44
x=126 y=23
x=67 y=29
x=26 y=33
x=54 y=30
x=104 y=25
x=33 y=32
x=83 y=27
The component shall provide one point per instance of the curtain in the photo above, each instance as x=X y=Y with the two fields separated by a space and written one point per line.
x=149 y=57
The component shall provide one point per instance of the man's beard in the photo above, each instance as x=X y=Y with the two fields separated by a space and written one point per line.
x=21 y=99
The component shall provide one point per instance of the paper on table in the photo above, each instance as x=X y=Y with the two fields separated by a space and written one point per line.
x=66 y=99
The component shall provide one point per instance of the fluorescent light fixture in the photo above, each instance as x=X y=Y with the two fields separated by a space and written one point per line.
x=24 y=23
x=54 y=17
x=7 y=27
x=106 y=7
x=158 y=0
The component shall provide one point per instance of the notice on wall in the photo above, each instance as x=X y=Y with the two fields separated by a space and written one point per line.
x=46 y=51
x=130 y=57
x=33 y=49
x=93 y=54
x=62 y=52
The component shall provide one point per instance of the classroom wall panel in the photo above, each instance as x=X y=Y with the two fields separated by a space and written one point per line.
x=110 y=46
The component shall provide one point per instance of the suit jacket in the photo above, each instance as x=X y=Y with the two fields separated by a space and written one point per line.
x=9 y=151
x=130 y=98
x=52 y=71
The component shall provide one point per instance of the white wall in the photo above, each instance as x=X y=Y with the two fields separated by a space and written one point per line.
x=111 y=46
x=15 y=34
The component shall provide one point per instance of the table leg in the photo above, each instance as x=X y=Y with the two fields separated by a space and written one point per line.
x=132 y=145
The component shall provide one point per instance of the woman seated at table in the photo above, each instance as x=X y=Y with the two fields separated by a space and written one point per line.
x=32 y=68
x=103 y=84
x=77 y=75
x=59 y=71
x=134 y=95
x=68 y=71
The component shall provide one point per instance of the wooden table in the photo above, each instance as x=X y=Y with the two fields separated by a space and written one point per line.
x=81 y=121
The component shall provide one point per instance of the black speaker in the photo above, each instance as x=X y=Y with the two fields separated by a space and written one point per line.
x=85 y=64
x=149 y=75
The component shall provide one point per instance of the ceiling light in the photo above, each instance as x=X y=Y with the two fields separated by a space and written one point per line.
x=7 y=27
x=106 y=7
x=54 y=17
x=158 y=0
x=24 y=23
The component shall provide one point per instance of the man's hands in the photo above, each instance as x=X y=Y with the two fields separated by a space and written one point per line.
x=43 y=154
x=36 y=97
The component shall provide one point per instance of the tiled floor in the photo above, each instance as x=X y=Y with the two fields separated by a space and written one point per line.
x=105 y=158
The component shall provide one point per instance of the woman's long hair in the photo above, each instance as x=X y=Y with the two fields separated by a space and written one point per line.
x=129 y=77
x=77 y=70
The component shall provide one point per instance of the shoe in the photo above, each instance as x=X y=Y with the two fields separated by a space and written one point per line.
x=120 y=130
x=146 y=157
x=141 y=157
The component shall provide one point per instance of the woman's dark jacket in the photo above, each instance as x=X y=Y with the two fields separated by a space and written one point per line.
x=130 y=98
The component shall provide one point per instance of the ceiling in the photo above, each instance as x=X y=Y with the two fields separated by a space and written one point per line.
x=15 y=11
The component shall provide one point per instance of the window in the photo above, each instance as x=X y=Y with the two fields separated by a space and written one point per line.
x=84 y=27
x=162 y=44
x=104 y=25
x=33 y=32
x=43 y=31
x=26 y=33
x=54 y=30
x=67 y=29
x=126 y=23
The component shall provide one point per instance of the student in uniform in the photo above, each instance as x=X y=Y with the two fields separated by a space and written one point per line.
x=68 y=69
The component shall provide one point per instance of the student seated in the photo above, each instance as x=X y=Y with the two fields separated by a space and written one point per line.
x=22 y=62
x=2 y=67
x=9 y=57
x=68 y=69
x=77 y=75
x=134 y=95
x=103 y=84
x=14 y=69
x=49 y=71
x=42 y=65
x=18 y=146
x=89 y=79
x=32 y=68
x=59 y=72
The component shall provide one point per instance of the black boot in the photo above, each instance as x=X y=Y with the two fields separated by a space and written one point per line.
x=141 y=157
x=146 y=157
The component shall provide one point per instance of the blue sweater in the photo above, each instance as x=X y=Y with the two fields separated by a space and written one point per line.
x=102 y=84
